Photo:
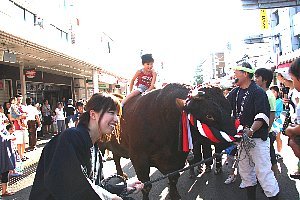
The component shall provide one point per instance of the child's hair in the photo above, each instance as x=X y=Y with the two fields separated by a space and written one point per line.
x=28 y=101
x=275 y=88
x=78 y=103
x=147 y=58
x=295 y=68
x=9 y=126
x=100 y=102
x=266 y=75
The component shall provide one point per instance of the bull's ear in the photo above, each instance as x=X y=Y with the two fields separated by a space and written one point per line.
x=180 y=103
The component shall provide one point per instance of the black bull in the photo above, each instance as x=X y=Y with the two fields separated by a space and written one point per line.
x=150 y=128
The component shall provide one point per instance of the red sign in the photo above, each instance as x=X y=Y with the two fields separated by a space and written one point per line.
x=30 y=73
x=1 y=85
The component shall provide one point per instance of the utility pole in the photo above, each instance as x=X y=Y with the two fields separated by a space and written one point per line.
x=213 y=65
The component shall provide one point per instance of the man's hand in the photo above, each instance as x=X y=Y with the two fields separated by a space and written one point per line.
x=248 y=131
x=293 y=134
x=294 y=146
x=137 y=185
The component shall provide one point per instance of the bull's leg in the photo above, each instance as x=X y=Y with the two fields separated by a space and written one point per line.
x=174 y=195
x=143 y=175
x=118 y=166
x=142 y=170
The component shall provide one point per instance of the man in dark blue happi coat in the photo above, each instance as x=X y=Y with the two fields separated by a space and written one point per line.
x=251 y=107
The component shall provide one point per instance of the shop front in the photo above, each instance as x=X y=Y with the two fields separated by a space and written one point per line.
x=39 y=85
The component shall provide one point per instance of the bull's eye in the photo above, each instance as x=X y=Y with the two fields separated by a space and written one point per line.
x=209 y=117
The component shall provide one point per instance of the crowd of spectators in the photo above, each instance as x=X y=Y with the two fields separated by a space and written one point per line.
x=22 y=124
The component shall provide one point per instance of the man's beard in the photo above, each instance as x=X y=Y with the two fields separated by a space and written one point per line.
x=236 y=80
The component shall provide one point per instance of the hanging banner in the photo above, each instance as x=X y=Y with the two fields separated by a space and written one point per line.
x=264 y=19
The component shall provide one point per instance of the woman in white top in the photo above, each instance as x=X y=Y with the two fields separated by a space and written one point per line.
x=60 y=118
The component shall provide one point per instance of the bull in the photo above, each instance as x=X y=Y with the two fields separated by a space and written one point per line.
x=150 y=128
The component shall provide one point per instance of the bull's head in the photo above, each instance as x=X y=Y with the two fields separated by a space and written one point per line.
x=210 y=107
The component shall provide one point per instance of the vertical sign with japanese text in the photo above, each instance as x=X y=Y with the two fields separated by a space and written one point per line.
x=264 y=19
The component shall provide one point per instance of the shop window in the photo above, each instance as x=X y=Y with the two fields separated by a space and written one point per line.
x=297 y=9
x=296 y=42
x=275 y=18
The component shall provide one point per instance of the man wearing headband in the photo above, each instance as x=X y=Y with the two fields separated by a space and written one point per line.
x=252 y=110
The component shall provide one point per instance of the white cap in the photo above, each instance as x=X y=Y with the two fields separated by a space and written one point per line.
x=285 y=73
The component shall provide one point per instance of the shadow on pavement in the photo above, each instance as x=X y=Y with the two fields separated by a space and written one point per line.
x=20 y=195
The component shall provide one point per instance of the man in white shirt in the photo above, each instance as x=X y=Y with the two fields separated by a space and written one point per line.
x=32 y=121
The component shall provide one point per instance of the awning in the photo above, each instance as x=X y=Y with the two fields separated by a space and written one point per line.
x=284 y=65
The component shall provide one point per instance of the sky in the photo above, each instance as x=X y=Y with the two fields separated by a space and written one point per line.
x=178 y=33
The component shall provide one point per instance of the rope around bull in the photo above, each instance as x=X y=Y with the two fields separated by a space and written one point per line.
x=246 y=143
x=177 y=171
x=184 y=169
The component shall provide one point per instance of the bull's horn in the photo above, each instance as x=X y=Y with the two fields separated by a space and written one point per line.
x=198 y=94
x=180 y=103
x=201 y=93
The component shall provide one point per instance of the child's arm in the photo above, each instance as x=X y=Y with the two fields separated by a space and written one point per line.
x=133 y=79
x=152 y=82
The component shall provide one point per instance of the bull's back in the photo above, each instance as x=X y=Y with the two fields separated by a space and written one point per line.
x=151 y=124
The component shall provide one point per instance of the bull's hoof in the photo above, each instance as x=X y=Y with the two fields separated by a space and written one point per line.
x=145 y=197
x=174 y=196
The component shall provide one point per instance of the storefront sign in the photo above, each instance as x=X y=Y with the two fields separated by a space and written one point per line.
x=103 y=86
x=31 y=73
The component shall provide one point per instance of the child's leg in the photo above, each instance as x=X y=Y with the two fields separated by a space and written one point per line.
x=19 y=147
x=4 y=181
x=55 y=129
x=132 y=94
x=279 y=142
x=23 y=148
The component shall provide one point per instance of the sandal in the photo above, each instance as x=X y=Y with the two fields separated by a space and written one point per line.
x=15 y=174
x=230 y=179
x=6 y=194
x=296 y=175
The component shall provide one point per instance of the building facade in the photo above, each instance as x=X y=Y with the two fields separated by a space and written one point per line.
x=42 y=56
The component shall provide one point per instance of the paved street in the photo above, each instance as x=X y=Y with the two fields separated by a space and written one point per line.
x=204 y=186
